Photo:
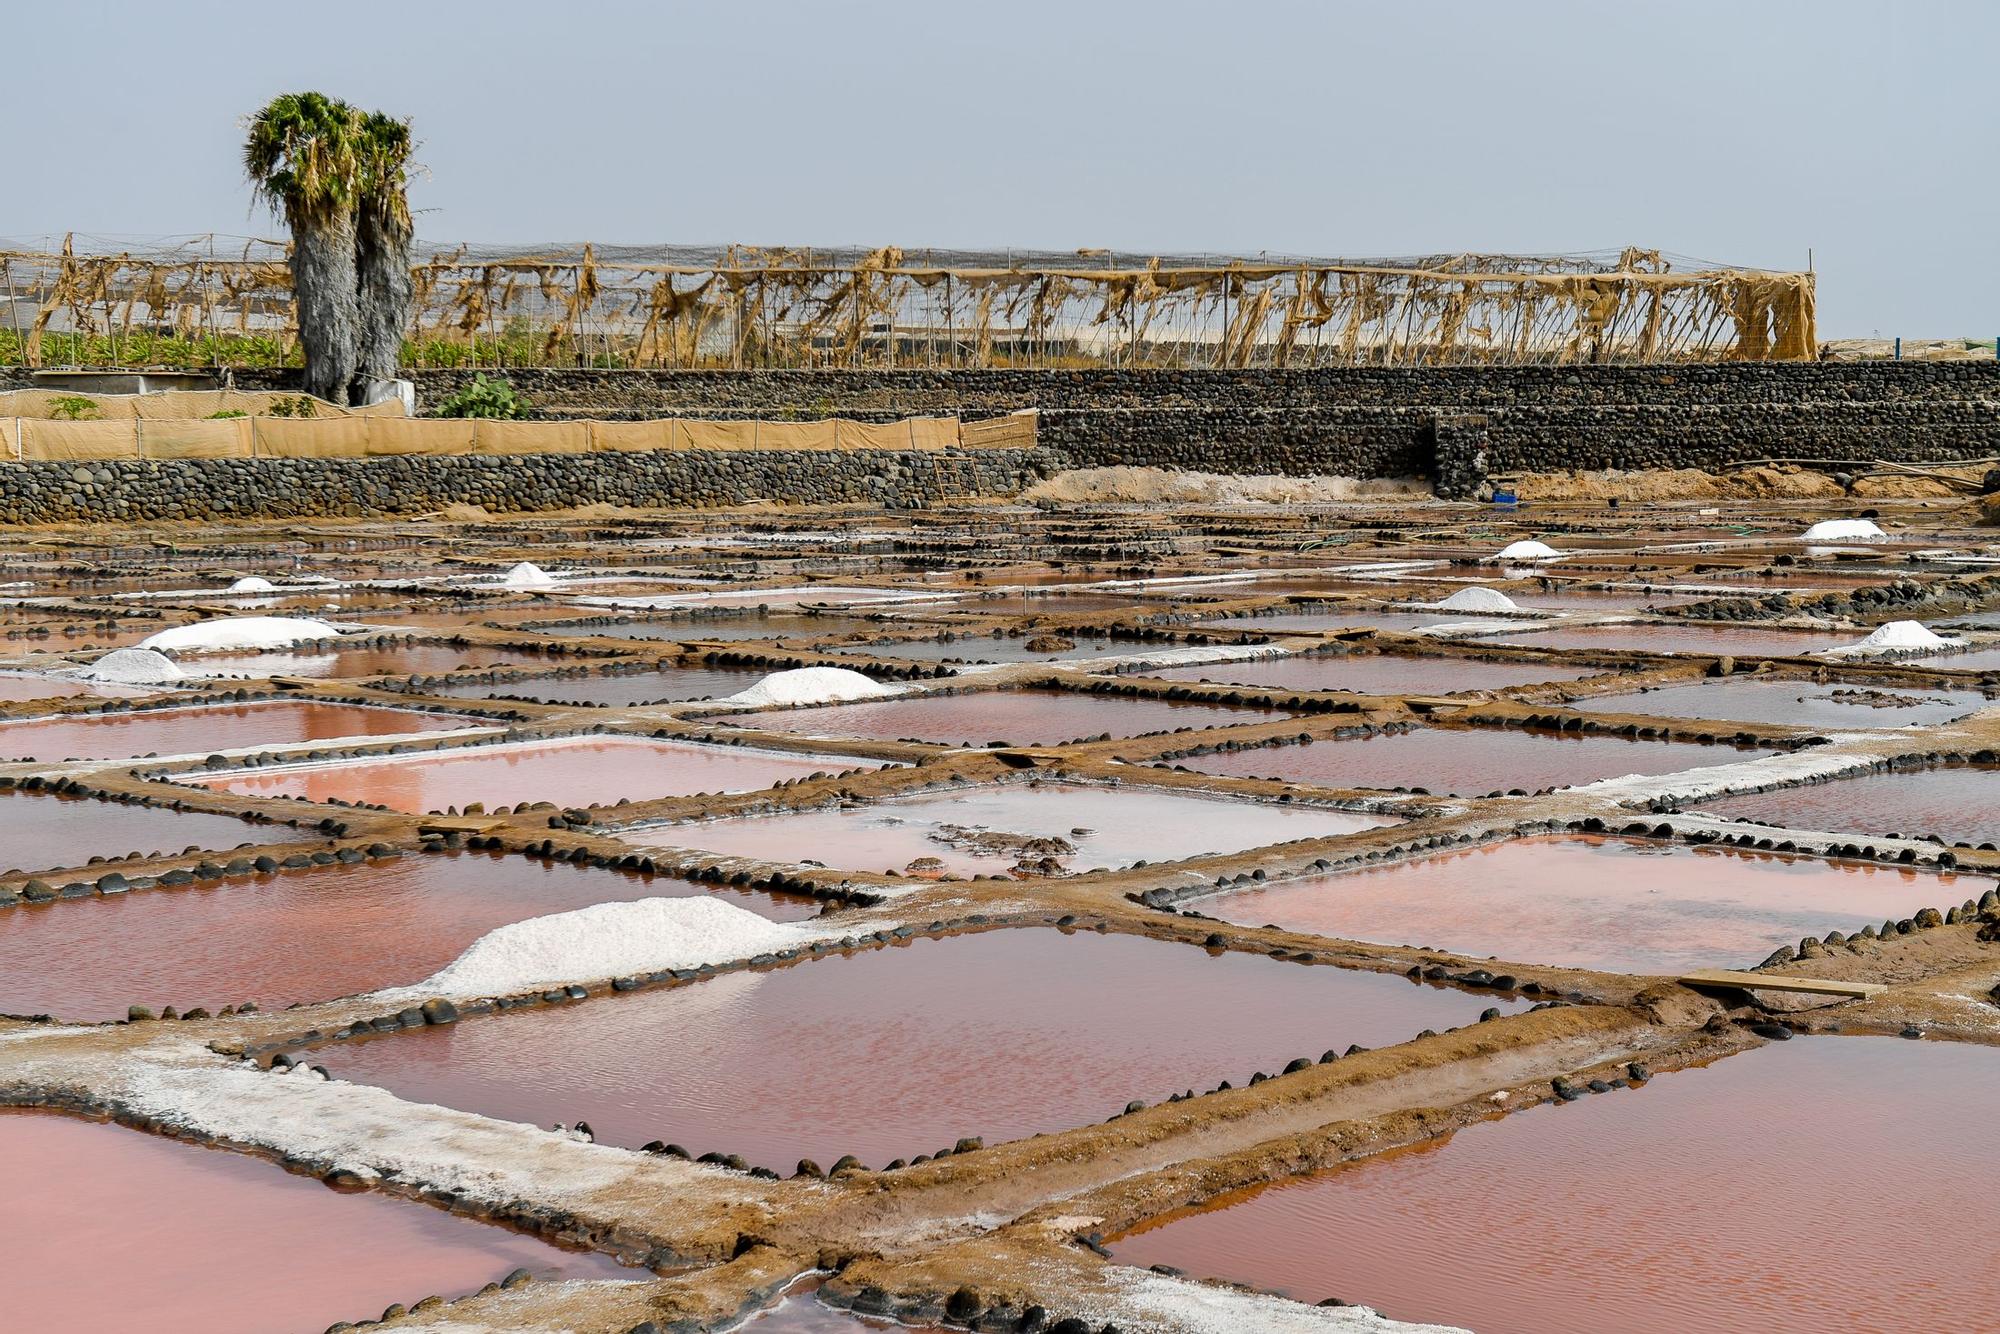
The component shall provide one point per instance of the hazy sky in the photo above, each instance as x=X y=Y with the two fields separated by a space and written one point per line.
x=1744 y=131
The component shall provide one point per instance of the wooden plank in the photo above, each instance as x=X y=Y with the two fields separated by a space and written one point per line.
x=1811 y=986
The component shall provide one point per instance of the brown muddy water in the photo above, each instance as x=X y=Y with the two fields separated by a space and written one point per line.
x=614 y=690
x=111 y=1229
x=203 y=729
x=391 y=660
x=1465 y=761
x=579 y=771
x=1376 y=673
x=305 y=935
x=1834 y=707
x=1620 y=905
x=39 y=832
x=1828 y=1184
x=987 y=830
x=1958 y=804
x=901 y=1051
x=1012 y=717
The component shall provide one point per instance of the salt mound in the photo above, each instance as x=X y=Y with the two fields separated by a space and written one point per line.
x=135 y=667
x=1528 y=550
x=1827 y=529
x=240 y=632
x=527 y=575
x=612 y=940
x=813 y=685
x=1904 y=637
x=1478 y=599
x=252 y=584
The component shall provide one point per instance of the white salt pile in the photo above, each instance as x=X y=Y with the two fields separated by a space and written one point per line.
x=1904 y=638
x=250 y=583
x=527 y=575
x=613 y=940
x=237 y=633
x=1478 y=599
x=1851 y=529
x=812 y=685
x=135 y=667
x=1528 y=550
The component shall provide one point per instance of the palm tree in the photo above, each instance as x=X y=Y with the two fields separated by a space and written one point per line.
x=383 y=242
x=302 y=155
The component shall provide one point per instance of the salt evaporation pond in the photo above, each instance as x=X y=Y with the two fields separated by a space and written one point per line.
x=1709 y=639
x=1614 y=904
x=1138 y=601
x=1800 y=703
x=726 y=629
x=1015 y=717
x=1315 y=622
x=986 y=830
x=111 y=1229
x=305 y=935
x=900 y=1051
x=39 y=832
x=1465 y=761
x=314 y=663
x=616 y=689
x=1957 y=804
x=806 y=1314
x=991 y=648
x=1376 y=673
x=1816 y=1184
x=205 y=729
x=20 y=687
x=579 y=771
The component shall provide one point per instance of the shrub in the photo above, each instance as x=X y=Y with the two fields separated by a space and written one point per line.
x=73 y=408
x=494 y=400
x=227 y=413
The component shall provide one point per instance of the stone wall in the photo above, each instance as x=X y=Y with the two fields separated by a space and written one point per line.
x=1455 y=425
x=300 y=488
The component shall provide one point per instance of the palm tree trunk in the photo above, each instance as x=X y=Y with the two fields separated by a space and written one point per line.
x=383 y=262
x=323 y=283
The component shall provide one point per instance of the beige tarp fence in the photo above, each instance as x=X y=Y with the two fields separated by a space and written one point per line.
x=34 y=439
x=176 y=405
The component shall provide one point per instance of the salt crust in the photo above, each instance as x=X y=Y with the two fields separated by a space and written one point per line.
x=1898 y=637
x=1478 y=599
x=1851 y=529
x=1149 y=1303
x=812 y=685
x=611 y=940
x=236 y=633
x=135 y=667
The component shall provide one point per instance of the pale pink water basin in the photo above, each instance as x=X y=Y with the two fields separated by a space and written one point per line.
x=1014 y=717
x=304 y=935
x=1612 y=904
x=615 y=689
x=1781 y=1189
x=211 y=1242
x=1465 y=761
x=992 y=648
x=1052 y=827
x=39 y=832
x=1376 y=673
x=326 y=662
x=206 y=728
x=1960 y=804
x=20 y=687
x=1833 y=707
x=1714 y=639
x=900 y=1051
x=578 y=771
x=1319 y=621
x=726 y=629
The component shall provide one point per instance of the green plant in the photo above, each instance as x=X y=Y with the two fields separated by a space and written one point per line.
x=494 y=400
x=301 y=406
x=227 y=413
x=73 y=408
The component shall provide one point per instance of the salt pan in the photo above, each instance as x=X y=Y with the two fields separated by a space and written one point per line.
x=812 y=685
x=240 y=632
